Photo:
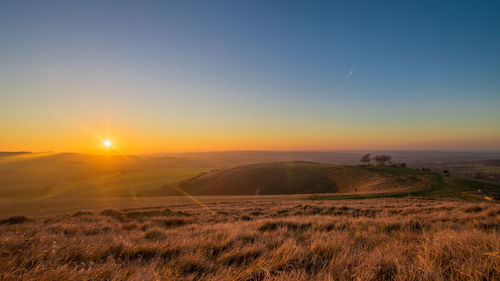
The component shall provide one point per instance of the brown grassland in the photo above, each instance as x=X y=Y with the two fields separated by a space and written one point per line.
x=272 y=239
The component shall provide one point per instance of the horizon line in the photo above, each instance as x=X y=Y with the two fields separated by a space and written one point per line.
x=255 y=151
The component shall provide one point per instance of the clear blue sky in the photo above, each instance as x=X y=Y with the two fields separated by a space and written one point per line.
x=251 y=74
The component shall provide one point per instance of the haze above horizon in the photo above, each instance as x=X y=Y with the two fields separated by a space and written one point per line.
x=183 y=76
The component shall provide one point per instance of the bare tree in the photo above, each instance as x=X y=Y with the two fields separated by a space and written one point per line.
x=382 y=159
x=366 y=158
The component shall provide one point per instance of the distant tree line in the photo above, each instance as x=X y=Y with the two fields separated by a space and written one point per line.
x=382 y=160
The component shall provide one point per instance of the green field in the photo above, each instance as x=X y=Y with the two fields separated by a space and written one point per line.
x=50 y=176
x=441 y=187
x=36 y=176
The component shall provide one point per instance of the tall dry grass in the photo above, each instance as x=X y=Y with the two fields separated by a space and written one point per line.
x=384 y=239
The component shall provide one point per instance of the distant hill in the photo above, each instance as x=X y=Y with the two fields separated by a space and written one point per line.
x=492 y=162
x=5 y=154
x=48 y=175
x=307 y=177
x=228 y=159
x=38 y=175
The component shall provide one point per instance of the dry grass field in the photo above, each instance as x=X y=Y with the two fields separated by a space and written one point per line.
x=271 y=239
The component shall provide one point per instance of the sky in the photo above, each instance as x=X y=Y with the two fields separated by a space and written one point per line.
x=180 y=76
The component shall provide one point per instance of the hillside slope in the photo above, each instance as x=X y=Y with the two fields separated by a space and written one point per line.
x=48 y=175
x=41 y=175
x=307 y=177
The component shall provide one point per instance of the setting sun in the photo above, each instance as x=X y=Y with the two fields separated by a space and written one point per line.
x=107 y=143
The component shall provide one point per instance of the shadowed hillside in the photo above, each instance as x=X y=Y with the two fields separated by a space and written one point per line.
x=307 y=177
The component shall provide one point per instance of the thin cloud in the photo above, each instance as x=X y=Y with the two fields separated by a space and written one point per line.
x=347 y=78
x=349 y=75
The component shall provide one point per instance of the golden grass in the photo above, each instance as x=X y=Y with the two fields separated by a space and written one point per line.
x=383 y=239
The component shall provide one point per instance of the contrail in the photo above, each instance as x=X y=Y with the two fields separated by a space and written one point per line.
x=348 y=75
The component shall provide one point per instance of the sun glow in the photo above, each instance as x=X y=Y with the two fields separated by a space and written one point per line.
x=107 y=143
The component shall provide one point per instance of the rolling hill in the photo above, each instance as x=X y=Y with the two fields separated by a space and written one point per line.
x=308 y=177
x=42 y=175
x=68 y=175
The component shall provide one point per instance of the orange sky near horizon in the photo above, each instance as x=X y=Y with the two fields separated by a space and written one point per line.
x=138 y=140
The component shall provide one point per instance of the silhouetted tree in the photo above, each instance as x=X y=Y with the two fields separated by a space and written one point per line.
x=402 y=165
x=366 y=158
x=382 y=159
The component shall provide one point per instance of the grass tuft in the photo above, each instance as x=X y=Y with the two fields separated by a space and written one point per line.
x=155 y=234
x=15 y=220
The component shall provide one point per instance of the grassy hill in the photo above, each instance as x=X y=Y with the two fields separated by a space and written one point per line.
x=307 y=177
x=68 y=175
